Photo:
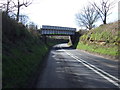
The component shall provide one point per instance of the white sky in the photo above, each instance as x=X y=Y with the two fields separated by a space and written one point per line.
x=60 y=12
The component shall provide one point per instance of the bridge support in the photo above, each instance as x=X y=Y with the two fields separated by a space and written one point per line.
x=74 y=39
x=44 y=39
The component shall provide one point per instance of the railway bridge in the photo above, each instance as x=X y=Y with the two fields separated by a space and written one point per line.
x=48 y=30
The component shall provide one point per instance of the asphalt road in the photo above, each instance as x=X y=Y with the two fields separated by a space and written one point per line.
x=71 y=68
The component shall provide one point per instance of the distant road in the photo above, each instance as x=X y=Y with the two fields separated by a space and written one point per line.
x=71 y=68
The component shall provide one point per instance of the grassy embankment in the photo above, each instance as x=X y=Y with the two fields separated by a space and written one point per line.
x=103 y=40
x=22 y=53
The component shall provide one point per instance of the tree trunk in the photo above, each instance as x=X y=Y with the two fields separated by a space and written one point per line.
x=104 y=21
x=18 y=11
x=7 y=6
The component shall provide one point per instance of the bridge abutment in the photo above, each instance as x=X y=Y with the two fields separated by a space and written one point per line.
x=74 y=39
x=44 y=37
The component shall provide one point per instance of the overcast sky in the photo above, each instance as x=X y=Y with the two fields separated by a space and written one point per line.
x=60 y=12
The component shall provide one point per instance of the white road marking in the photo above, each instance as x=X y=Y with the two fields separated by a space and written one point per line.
x=107 y=76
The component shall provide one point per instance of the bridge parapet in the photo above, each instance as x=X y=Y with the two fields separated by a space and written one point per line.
x=57 y=30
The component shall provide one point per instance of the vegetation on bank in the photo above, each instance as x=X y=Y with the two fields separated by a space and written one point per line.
x=103 y=39
x=22 y=53
x=98 y=49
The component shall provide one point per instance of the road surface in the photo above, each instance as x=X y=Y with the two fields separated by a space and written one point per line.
x=71 y=68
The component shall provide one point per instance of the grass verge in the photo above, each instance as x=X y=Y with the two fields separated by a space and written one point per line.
x=20 y=63
x=112 y=51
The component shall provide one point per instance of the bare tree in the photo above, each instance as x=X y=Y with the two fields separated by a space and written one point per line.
x=8 y=6
x=103 y=9
x=13 y=4
x=8 y=3
x=25 y=3
x=87 y=17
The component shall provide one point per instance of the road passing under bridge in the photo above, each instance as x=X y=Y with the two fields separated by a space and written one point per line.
x=71 y=68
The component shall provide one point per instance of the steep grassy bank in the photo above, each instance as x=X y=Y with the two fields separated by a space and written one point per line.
x=22 y=53
x=104 y=40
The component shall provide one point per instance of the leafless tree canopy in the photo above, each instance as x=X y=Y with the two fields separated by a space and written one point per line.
x=87 y=17
x=103 y=9
x=25 y=3
x=7 y=6
x=15 y=4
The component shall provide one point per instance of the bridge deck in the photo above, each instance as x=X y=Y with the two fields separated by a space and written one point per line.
x=56 y=30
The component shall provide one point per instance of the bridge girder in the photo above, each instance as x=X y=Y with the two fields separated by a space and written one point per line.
x=56 y=30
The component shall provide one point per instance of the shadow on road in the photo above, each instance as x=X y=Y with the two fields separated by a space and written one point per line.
x=58 y=48
x=60 y=70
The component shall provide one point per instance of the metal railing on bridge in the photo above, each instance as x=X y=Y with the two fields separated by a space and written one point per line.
x=57 y=30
